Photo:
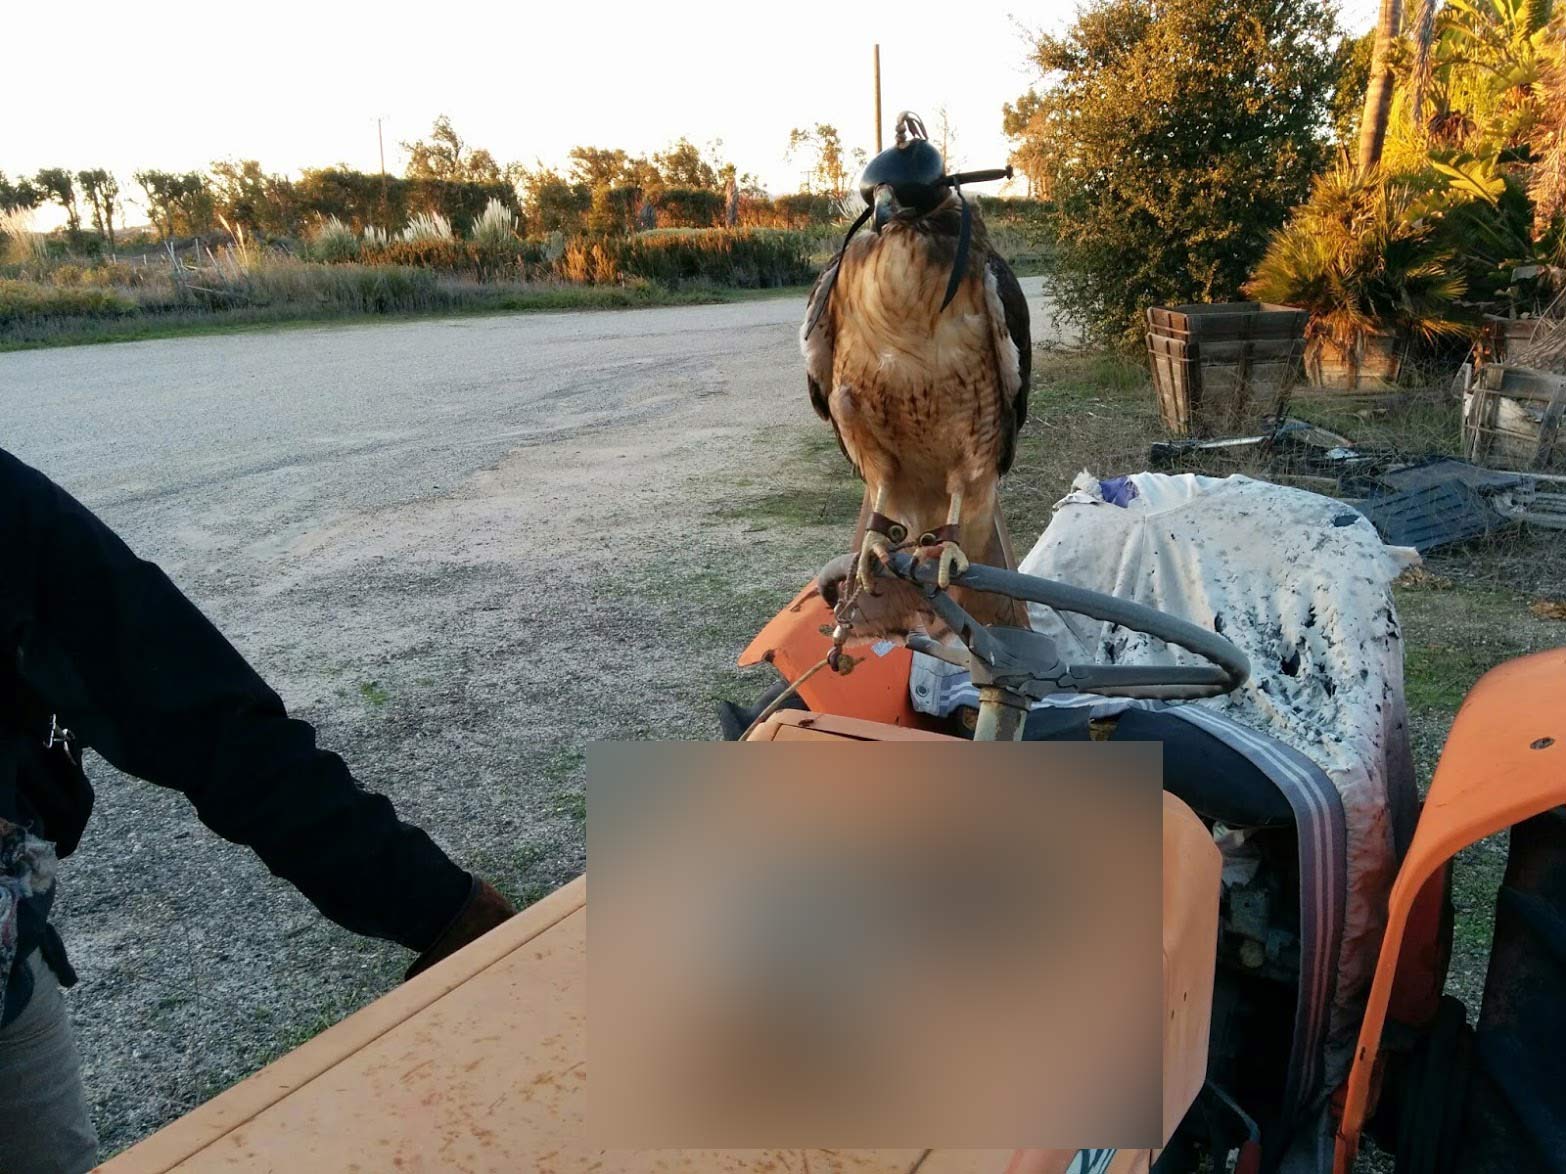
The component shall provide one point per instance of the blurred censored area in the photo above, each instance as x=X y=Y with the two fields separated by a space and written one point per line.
x=875 y=945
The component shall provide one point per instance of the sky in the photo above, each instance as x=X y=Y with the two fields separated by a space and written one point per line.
x=296 y=84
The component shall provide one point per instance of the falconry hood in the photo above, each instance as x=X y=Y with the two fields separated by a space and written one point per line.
x=911 y=176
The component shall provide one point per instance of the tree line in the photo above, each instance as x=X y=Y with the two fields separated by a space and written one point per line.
x=1178 y=140
x=601 y=191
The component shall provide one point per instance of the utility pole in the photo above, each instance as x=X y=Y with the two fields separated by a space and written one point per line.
x=878 y=98
x=380 y=142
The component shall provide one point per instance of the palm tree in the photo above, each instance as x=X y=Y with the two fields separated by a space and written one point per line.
x=1362 y=256
x=1378 y=93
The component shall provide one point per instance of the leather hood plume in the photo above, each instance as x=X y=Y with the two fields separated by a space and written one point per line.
x=913 y=169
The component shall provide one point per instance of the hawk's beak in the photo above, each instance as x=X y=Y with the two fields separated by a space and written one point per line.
x=885 y=206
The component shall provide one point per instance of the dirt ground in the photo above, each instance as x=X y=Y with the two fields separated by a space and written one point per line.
x=463 y=549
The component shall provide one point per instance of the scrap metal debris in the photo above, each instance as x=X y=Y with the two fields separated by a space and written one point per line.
x=1431 y=516
x=1424 y=502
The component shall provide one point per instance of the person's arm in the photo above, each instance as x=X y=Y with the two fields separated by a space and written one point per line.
x=150 y=684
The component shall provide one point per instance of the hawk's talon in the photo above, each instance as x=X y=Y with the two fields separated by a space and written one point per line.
x=877 y=549
x=949 y=559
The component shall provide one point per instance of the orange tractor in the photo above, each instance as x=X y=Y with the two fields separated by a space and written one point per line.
x=1438 y=1093
x=479 y=1063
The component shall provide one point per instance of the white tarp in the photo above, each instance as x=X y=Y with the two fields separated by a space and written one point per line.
x=1301 y=584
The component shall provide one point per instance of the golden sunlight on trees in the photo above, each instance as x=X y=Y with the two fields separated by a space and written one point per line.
x=1453 y=208
x=444 y=156
x=102 y=192
x=58 y=185
x=1173 y=138
x=820 y=148
x=1022 y=122
x=179 y=204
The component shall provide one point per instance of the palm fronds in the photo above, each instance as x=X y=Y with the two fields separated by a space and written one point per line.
x=1362 y=257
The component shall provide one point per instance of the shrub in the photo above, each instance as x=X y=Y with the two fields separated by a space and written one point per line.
x=803 y=209
x=588 y=263
x=1180 y=134
x=27 y=301
x=495 y=230
x=445 y=253
x=688 y=208
x=750 y=258
x=347 y=288
x=21 y=244
x=1488 y=222
x=426 y=227
x=333 y=241
x=1362 y=255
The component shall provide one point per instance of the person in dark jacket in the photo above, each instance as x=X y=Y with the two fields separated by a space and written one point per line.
x=99 y=649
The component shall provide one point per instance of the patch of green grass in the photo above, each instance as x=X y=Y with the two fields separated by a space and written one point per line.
x=1454 y=635
x=820 y=488
x=563 y=764
x=529 y=855
x=530 y=893
x=828 y=505
x=572 y=804
x=374 y=693
x=820 y=445
x=1417 y=422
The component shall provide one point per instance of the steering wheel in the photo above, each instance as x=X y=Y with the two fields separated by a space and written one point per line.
x=1022 y=661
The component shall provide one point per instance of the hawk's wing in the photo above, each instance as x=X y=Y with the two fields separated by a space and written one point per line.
x=817 y=347
x=1013 y=351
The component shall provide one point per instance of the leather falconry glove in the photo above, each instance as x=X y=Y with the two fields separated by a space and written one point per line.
x=484 y=909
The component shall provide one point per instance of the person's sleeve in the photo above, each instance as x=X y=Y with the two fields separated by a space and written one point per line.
x=150 y=684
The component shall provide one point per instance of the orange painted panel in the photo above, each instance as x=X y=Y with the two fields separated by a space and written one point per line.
x=792 y=725
x=1504 y=762
x=483 y=1069
x=801 y=634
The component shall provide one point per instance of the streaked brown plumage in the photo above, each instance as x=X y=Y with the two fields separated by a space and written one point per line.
x=926 y=403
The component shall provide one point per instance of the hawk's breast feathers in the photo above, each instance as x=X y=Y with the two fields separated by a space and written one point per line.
x=894 y=372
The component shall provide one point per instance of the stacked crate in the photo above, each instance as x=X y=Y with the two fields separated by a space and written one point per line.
x=1227 y=368
x=1512 y=419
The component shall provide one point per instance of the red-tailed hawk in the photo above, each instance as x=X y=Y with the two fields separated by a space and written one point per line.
x=917 y=351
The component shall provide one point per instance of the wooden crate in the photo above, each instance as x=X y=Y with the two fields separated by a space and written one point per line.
x=1174 y=375
x=1201 y=322
x=1372 y=366
x=1512 y=419
x=1501 y=337
x=1223 y=386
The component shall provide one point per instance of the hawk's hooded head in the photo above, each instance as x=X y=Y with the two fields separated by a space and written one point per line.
x=907 y=185
x=907 y=181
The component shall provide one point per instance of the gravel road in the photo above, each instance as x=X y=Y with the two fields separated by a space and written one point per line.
x=464 y=549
